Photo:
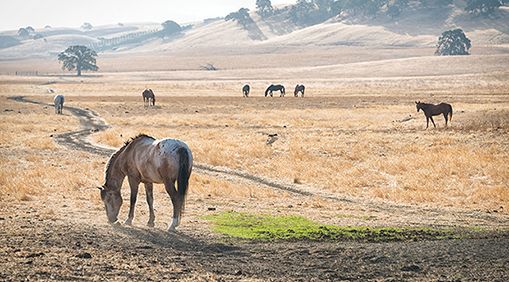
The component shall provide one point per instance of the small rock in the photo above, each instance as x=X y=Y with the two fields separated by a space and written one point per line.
x=34 y=255
x=413 y=268
x=84 y=256
x=211 y=209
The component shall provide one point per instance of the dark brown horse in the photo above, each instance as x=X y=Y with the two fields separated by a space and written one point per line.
x=277 y=87
x=245 y=90
x=149 y=98
x=431 y=110
x=299 y=88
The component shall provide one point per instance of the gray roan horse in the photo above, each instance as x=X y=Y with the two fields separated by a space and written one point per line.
x=59 y=103
x=149 y=98
x=299 y=88
x=273 y=87
x=431 y=110
x=146 y=160
x=245 y=90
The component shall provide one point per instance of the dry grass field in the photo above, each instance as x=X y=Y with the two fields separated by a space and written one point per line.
x=355 y=143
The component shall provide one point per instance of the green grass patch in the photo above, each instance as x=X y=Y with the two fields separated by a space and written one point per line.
x=293 y=227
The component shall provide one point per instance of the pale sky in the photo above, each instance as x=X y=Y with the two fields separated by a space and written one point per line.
x=71 y=13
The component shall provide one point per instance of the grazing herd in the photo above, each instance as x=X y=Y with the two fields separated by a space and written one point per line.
x=146 y=160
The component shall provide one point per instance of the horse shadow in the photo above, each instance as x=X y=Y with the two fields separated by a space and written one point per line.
x=178 y=241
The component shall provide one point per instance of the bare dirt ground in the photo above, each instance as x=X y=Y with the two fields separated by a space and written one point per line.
x=63 y=235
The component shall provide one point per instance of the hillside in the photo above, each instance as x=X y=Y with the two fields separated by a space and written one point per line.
x=416 y=27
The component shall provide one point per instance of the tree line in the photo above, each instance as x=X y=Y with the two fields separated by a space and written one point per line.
x=309 y=12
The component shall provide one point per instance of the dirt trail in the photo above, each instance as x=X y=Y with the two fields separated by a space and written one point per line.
x=91 y=123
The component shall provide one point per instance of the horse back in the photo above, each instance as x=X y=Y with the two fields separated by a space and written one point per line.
x=157 y=160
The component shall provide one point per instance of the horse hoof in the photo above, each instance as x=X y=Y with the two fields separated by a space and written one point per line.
x=128 y=222
x=150 y=224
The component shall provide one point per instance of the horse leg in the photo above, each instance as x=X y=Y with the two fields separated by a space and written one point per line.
x=427 y=122
x=446 y=119
x=170 y=188
x=133 y=183
x=149 y=190
x=433 y=122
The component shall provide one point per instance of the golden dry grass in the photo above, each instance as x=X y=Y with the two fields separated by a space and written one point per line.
x=355 y=137
x=362 y=152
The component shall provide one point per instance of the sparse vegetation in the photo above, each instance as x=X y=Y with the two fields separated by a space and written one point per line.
x=294 y=227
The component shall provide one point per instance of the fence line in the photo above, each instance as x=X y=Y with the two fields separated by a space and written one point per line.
x=134 y=37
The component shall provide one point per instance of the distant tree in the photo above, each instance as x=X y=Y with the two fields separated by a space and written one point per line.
x=47 y=26
x=241 y=16
x=453 y=42
x=78 y=58
x=30 y=29
x=482 y=7
x=86 y=26
x=23 y=32
x=264 y=8
x=170 y=28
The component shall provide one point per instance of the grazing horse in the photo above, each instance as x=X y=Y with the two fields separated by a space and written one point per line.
x=245 y=90
x=299 y=88
x=431 y=110
x=148 y=97
x=146 y=160
x=59 y=103
x=277 y=87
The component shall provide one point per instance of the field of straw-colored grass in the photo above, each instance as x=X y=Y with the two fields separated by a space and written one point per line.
x=358 y=152
x=354 y=137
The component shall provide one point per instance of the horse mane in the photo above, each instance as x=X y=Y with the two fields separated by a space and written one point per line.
x=115 y=155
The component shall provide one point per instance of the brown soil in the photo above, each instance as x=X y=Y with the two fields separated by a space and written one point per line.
x=35 y=248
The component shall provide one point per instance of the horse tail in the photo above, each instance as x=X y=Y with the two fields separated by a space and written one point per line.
x=450 y=113
x=183 y=174
x=267 y=91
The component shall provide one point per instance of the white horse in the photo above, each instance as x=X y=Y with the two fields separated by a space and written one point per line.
x=146 y=160
x=59 y=103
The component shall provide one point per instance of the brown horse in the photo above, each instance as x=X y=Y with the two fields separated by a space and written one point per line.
x=245 y=90
x=431 y=110
x=148 y=98
x=299 y=88
x=146 y=160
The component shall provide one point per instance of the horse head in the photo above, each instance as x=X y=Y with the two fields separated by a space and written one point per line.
x=418 y=105
x=112 y=202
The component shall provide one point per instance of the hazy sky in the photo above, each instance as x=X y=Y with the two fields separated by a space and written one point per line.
x=71 y=13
